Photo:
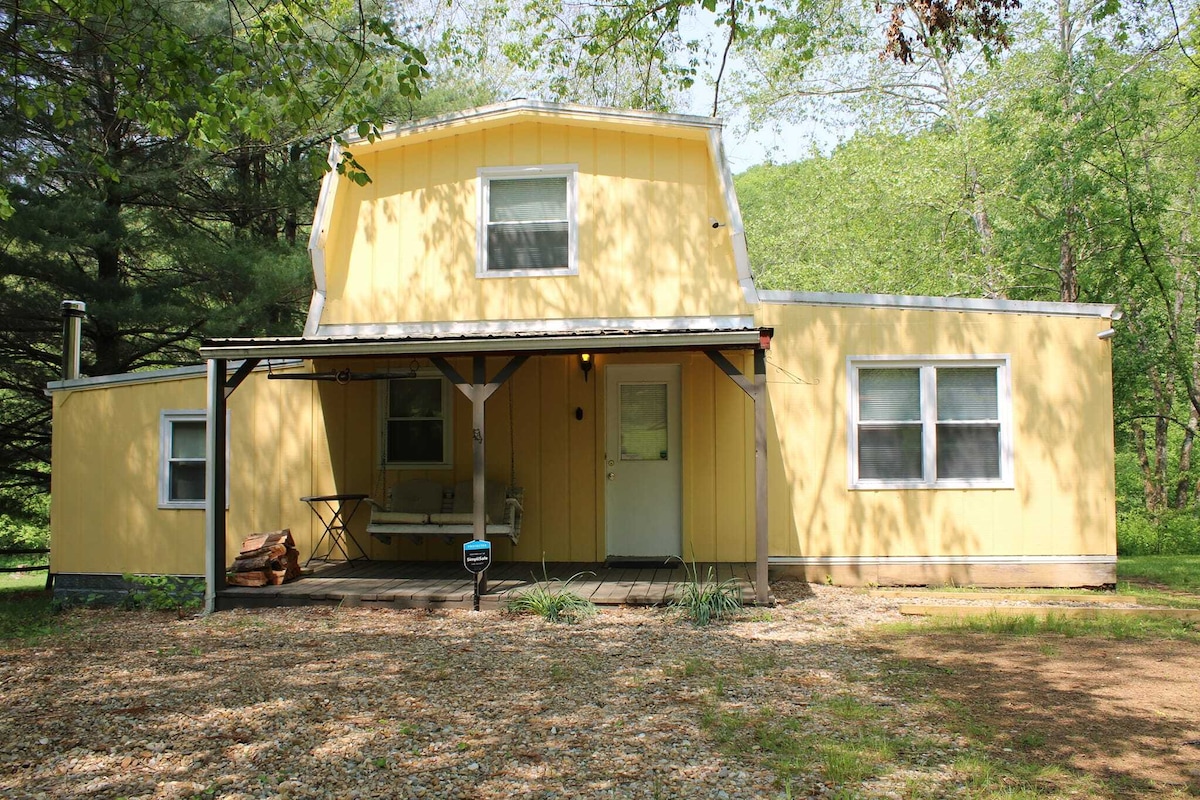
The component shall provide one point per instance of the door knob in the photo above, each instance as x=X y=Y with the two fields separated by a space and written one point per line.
x=612 y=476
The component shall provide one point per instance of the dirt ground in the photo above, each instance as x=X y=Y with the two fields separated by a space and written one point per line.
x=633 y=703
x=1125 y=709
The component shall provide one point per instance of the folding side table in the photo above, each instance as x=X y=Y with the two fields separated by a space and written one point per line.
x=335 y=512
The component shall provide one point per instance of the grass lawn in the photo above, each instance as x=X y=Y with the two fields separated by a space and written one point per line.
x=25 y=606
x=26 y=610
x=1180 y=573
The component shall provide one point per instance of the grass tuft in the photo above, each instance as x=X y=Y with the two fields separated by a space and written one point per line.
x=708 y=600
x=552 y=600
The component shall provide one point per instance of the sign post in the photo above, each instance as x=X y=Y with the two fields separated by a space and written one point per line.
x=477 y=557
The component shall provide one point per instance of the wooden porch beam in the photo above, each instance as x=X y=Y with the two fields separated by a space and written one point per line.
x=718 y=358
x=757 y=391
x=453 y=375
x=504 y=374
x=240 y=375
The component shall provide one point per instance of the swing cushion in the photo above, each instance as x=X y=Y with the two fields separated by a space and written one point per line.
x=419 y=497
x=399 y=518
x=494 y=494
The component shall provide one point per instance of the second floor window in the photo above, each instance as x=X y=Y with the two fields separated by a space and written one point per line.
x=527 y=221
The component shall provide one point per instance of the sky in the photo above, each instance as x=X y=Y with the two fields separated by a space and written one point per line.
x=780 y=143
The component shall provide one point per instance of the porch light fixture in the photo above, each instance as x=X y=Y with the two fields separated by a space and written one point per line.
x=585 y=364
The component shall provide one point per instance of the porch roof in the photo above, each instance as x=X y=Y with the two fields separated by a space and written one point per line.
x=530 y=342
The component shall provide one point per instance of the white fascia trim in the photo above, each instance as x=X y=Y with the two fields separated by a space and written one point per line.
x=737 y=230
x=832 y=561
x=1097 y=310
x=170 y=374
x=491 y=327
x=497 y=109
x=318 y=238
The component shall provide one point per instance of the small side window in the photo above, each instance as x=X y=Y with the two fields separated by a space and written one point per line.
x=183 y=466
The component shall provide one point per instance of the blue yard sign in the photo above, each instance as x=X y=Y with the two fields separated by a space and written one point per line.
x=477 y=555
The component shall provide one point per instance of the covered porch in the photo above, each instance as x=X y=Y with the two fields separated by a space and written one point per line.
x=718 y=451
x=444 y=584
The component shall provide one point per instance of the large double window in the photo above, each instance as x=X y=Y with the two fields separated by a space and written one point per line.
x=929 y=423
x=527 y=221
x=417 y=421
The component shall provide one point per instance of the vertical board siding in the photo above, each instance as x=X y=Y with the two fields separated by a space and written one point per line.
x=1062 y=502
x=584 y=453
x=295 y=438
x=405 y=249
x=699 y=486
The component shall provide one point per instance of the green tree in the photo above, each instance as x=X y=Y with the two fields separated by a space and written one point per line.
x=158 y=160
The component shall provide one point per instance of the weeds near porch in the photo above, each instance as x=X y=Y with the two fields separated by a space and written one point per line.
x=552 y=600
x=708 y=600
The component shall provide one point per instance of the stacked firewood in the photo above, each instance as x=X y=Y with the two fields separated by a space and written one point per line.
x=265 y=558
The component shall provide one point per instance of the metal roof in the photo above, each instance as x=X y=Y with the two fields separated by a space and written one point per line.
x=532 y=342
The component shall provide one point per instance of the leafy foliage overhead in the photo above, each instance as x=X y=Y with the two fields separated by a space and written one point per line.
x=157 y=161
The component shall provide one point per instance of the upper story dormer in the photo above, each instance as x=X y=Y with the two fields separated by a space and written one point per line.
x=531 y=212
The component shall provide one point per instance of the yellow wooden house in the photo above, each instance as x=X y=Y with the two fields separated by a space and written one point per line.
x=558 y=298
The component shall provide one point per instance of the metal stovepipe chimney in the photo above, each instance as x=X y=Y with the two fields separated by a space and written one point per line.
x=73 y=312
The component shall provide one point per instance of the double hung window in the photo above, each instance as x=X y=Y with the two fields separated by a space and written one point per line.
x=527 y=221
x=183 y=464
x=417 y=421
x=932 y=423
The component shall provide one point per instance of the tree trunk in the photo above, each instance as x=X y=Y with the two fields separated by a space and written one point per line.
x=1149 y=490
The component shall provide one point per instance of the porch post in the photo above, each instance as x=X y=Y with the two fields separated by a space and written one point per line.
x=478 y=404
x=756 y=389
x=761 y=540
x=214 y=488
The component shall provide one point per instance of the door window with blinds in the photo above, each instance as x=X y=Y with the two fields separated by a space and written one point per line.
x=527 y=221
x=643 y=421
x=929 y=424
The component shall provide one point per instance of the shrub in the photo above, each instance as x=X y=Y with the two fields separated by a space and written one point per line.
x=164 y=593
x=24 y=521
x=1171 y=533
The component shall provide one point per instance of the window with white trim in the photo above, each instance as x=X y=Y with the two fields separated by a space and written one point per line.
x=182 y=459
x=417 y=421
x=930 y=423
x=527 y=221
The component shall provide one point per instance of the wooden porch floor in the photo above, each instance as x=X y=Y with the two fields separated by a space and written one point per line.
x=428 y=584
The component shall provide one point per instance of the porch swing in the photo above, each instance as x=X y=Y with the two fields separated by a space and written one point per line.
x=420 y=507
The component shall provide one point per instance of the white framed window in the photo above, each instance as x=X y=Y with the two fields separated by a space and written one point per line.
x=183 y=466
x=934 y=422
x=417 y=421
x=527 y=222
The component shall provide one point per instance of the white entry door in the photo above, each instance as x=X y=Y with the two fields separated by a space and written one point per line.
x=643 y=478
